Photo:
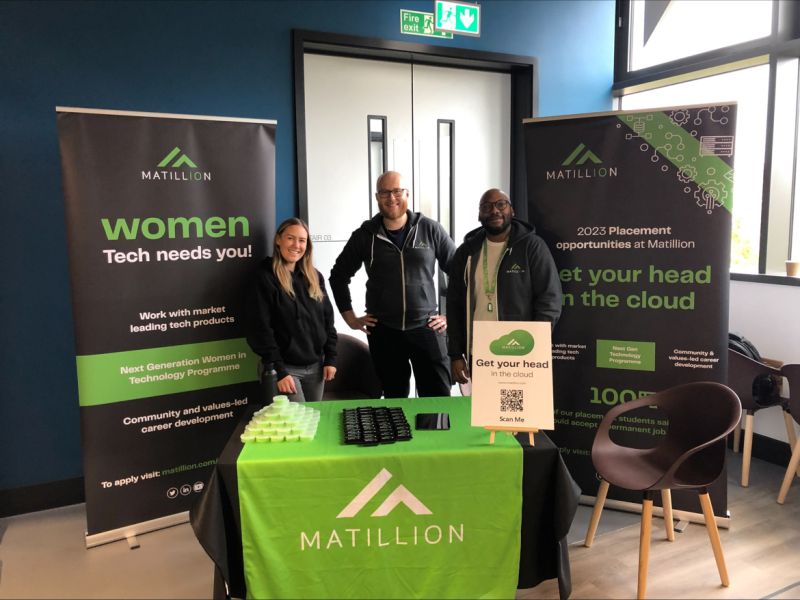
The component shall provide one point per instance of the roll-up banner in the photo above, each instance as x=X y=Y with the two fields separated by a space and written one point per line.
x=167 y=218
x=636 y=209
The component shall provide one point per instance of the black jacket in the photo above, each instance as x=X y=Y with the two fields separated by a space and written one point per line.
x=400 y=289
x=528 y=286
x=283 y=330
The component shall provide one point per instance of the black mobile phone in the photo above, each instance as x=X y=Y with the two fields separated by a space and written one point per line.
x=433 y=421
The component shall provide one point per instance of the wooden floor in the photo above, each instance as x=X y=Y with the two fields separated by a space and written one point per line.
x=42 y=554
x=762 y=550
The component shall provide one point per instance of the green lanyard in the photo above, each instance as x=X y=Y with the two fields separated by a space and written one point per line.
x=489 y=286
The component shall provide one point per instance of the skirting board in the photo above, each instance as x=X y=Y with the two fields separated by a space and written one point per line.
x=129 y=531
x=42 y=496
x=678 y=515
x=769 y=449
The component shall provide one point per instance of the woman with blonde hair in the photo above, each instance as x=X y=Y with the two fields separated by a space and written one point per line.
x=291 y=318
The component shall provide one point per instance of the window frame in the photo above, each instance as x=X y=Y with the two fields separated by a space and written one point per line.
x=783 y=43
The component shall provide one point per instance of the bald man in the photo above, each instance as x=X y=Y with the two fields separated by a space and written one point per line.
x=502 y=272
x=399 y=250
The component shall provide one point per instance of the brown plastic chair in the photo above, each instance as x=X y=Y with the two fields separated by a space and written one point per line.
x=742 y=372
x=355 y=375
x=690 y=456
x=792 y=374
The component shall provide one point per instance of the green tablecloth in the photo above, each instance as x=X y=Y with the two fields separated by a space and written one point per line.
x=549 y=498
x=437 y=516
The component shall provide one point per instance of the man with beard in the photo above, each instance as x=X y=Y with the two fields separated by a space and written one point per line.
x=399 y=250
x=502 y=272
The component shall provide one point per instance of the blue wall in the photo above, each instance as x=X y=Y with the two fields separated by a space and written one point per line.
x=228 y=58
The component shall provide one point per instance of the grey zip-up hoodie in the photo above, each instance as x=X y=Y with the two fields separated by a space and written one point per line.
x=528 y=286
x=400 y=290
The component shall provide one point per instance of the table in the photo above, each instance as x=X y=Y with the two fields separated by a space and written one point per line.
x=548 y=504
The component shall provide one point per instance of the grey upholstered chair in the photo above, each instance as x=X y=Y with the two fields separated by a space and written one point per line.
x=355 y=375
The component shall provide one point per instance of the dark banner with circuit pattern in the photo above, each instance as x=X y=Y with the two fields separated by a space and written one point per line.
x=636 y=209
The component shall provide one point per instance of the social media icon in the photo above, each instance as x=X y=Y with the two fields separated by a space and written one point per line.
x=198 y=486
x=186 y=489
x=172 y=493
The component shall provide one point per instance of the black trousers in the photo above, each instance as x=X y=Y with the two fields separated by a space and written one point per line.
x=395 y=352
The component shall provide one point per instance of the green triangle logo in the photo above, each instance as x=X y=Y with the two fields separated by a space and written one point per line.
x=517 y=343
x=588 y=155
x=182 y=159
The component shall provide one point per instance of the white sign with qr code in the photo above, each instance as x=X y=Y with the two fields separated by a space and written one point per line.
x=512 y=377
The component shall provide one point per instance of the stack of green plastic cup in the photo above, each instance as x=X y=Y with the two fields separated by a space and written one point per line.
x=282 y=421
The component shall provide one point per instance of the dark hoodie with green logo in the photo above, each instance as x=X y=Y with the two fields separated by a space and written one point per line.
x=528 y=286
x=400 y=290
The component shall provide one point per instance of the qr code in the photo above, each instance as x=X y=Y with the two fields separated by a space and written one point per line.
x=511 y=400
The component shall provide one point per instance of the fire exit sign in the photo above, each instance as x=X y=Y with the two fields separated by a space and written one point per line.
x=463 y=18
x=414 y=22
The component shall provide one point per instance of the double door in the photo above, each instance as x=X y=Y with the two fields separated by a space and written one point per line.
x=445 y=129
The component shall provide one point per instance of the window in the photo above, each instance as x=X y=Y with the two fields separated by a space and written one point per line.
x=793 y=70
x=684 y=52
x=446 y=168
x=664 y=30
x=376 y=145
x=748 y=87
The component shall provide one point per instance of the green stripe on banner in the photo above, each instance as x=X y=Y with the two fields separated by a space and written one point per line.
x=438 y=516
x=120 y=376
x=694 y=160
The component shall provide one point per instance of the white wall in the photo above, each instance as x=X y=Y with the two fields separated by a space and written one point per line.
x=769 y=316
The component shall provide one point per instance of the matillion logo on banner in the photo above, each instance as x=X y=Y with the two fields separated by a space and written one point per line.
x=578 y=157
x=431 y=535
x=193 y=173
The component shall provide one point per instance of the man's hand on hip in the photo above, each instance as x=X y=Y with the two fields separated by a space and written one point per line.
x=438 y=323
x=359 y=323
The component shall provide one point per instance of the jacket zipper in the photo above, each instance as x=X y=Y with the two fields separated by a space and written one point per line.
x=506 y=252
x=411 y=232
x=468 y=314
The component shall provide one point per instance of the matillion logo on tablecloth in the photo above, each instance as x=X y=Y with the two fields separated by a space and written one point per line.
x=174 y=168
x=575 y=161
x=353 y=537
x=400 y=495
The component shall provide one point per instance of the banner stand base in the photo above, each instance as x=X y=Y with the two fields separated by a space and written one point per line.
x=129 y=532
x=678 y=515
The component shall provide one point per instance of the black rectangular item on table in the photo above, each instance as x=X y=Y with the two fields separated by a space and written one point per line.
x=438 y=421
x=370 y=425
